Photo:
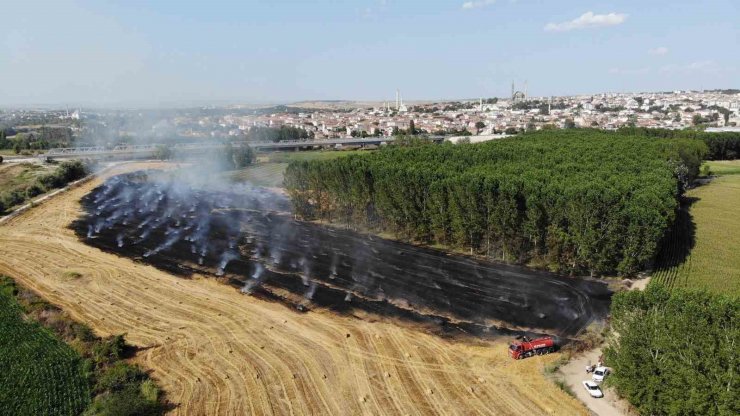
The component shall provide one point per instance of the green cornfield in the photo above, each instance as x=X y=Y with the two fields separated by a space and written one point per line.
x=704 y=246
x=39 y=374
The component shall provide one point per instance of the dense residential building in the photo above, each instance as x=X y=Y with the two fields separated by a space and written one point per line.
x=672 y=110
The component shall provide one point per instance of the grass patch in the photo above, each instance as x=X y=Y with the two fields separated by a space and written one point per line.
x=54 y=365
x=554 y=366
x=723 y=167
x=269 y=169
x=287 y=157
x=263 y=174
x=13 y=176
x=713 y=225
x=564 y=387
x=22 y=182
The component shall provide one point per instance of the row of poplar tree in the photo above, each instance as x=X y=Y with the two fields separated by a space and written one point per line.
x=577 y=201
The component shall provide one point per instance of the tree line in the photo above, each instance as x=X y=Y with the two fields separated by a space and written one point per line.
x=675 y=352
x=576 y=200
x=721 y=145
x=277 y=134
x=41 y=139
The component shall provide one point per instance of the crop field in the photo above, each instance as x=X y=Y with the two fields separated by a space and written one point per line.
x=268 y=172
x=705 y=243
x=41 y=375
x=269 y=175
x=215 y=350
x=287 y=157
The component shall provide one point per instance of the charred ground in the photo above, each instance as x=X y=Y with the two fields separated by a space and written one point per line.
x=249 y=238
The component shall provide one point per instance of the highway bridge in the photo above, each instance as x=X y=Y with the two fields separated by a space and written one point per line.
x=149 y=150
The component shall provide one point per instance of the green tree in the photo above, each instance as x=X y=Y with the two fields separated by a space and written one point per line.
x=569 y=124
x=163 y=152
x=675 y=352
x=556 y=195
x=632 y=120
x=412 y=128
x=241 y=156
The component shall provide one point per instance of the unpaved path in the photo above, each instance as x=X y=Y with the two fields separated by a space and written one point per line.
x=575 y=373
x=216 y=351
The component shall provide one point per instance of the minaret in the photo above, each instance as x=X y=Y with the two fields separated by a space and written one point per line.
x=525 y=90
x=512 y=90
x=398 y=102
x=480 y=105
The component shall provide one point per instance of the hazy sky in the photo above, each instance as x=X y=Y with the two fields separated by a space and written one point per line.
x=135 y=53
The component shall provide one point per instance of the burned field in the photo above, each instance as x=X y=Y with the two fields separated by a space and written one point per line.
x=248 y=237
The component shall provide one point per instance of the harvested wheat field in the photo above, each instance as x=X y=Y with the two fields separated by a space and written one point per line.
x=216 y=351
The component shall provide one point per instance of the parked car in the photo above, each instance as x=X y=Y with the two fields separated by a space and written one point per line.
x=599 y=374
x=593 y=389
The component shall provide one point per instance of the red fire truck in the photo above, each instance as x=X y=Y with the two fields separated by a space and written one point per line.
x=529 y=347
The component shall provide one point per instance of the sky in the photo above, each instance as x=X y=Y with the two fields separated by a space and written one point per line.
x=180 y=52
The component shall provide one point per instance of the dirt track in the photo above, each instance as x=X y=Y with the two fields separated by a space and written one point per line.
x=216 y=351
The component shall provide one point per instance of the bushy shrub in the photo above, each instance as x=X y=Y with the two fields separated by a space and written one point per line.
x=33 y=190
x=118 y=376
x=109 y=350
x=126 y=402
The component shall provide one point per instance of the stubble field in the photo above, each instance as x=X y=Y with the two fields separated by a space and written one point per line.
x=216 y=351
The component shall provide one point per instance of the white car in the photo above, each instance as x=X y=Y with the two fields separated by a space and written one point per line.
x=593 y=389
x=599 y=374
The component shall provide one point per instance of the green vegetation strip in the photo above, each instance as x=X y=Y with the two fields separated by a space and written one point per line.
x=578 y=201
x=52 y=365
x=35 y=180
